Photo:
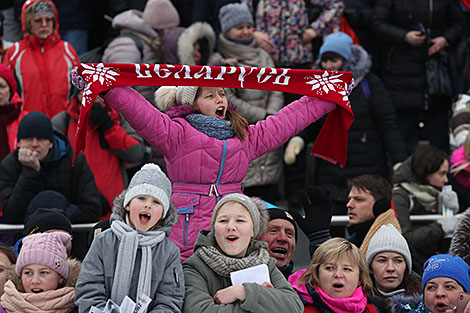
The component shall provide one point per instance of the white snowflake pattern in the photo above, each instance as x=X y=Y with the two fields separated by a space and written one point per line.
x=325 y=82
x=105 y=75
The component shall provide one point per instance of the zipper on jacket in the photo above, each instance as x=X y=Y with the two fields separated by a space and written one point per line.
x=185 y=229
x=222 y=166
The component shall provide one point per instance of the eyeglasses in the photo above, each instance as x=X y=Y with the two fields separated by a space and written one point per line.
x=41 y=20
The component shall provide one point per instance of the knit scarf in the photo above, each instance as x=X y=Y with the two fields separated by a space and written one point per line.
x=223 y=265
x=8 y=113
x=211 y=126
x=426 y=195
x=331 y=143
x=131 y=240
x=356 y=303
x=52 y=301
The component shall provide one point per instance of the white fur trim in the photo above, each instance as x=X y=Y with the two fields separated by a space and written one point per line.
x=189 y=37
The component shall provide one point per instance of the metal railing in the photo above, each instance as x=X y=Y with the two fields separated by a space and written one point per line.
x=336 y=220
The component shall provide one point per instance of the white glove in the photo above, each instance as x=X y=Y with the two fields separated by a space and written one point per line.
x=450 y=200
x=295 y=145
x=449 y=223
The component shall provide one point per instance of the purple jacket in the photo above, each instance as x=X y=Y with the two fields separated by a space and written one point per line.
x=203 y=169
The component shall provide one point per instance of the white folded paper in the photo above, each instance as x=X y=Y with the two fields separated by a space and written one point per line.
x=256 y=274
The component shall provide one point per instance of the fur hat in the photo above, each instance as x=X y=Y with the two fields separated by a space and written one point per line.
x=150 y=181
x=388 y=238
x=445 y=265
x=7 y=74
x=35 y=124
x=160 y=14
x=167 y=97
x=49 y=249
x=255 y=206
x=339 y=43
x=233 y=14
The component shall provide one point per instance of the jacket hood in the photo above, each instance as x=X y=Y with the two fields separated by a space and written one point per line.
x=23 y=17
x=401 y=303
x=120 y=213
x=205 y=238
x=190 y=36
x=359 y=63
x=60 y=148
x=132 y=20
x=460 y=244
x=404 y=173
x=74 y=270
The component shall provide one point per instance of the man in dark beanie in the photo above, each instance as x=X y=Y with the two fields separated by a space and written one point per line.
x=43 y=161
x=282 y=234
x=281 y=237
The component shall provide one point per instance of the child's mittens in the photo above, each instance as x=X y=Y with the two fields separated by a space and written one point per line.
x=295 y=145
x=450 y=200
x=77 y=79
x=448 y=224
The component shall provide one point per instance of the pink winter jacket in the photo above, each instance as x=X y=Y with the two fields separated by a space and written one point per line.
x=201 y=168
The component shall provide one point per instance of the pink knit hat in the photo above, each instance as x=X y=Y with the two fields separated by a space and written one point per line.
x=47 y=249
x=161 y=14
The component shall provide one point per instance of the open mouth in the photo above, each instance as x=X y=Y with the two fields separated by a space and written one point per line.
x=441 y=307
x=279 y=252
x=338 y=285
x=232 y=238
x=220 y=112
x=36 y=290
x=144 y=217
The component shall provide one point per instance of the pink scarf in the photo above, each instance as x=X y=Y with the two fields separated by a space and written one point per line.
x=333 y=86
x=357 y=303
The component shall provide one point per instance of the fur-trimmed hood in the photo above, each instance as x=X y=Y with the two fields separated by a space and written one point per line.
x=402 y=303
x=460 y=244
x=119 y=214
x=359 y=63
x=190 y=36
x=74 y=270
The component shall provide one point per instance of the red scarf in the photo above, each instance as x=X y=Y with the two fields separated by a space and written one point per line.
x=466 y=4
x=332 y=86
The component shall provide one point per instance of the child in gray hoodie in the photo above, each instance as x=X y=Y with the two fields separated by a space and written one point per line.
x=135 y=257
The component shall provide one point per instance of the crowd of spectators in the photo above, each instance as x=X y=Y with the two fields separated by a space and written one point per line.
x=152 y=159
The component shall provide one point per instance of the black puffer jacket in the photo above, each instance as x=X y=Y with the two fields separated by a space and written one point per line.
x=372 y=137
x=19 y=184
x=402 y=66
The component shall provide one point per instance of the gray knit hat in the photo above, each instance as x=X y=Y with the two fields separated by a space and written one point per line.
x=388 y=238
x=233 y=14
x=150 y=181
x=255 y=206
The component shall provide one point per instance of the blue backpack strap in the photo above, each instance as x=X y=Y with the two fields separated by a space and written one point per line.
x=365 y=88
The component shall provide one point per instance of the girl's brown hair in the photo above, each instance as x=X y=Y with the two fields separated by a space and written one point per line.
x=333 y=249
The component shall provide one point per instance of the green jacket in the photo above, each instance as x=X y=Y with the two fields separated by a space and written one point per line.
x=202 y=283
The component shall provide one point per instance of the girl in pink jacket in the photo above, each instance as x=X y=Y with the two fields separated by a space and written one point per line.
x=207 y=145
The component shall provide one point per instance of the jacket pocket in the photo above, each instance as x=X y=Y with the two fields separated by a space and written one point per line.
x=185 y=209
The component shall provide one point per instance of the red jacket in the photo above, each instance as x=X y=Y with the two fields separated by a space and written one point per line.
x=106 y=164
x=42 y=70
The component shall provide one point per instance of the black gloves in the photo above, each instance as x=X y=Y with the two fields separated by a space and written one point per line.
x=317 y=207
x=100 y=117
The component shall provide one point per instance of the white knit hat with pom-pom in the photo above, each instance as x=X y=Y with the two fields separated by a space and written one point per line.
x=150 y=181
x=167 y=97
